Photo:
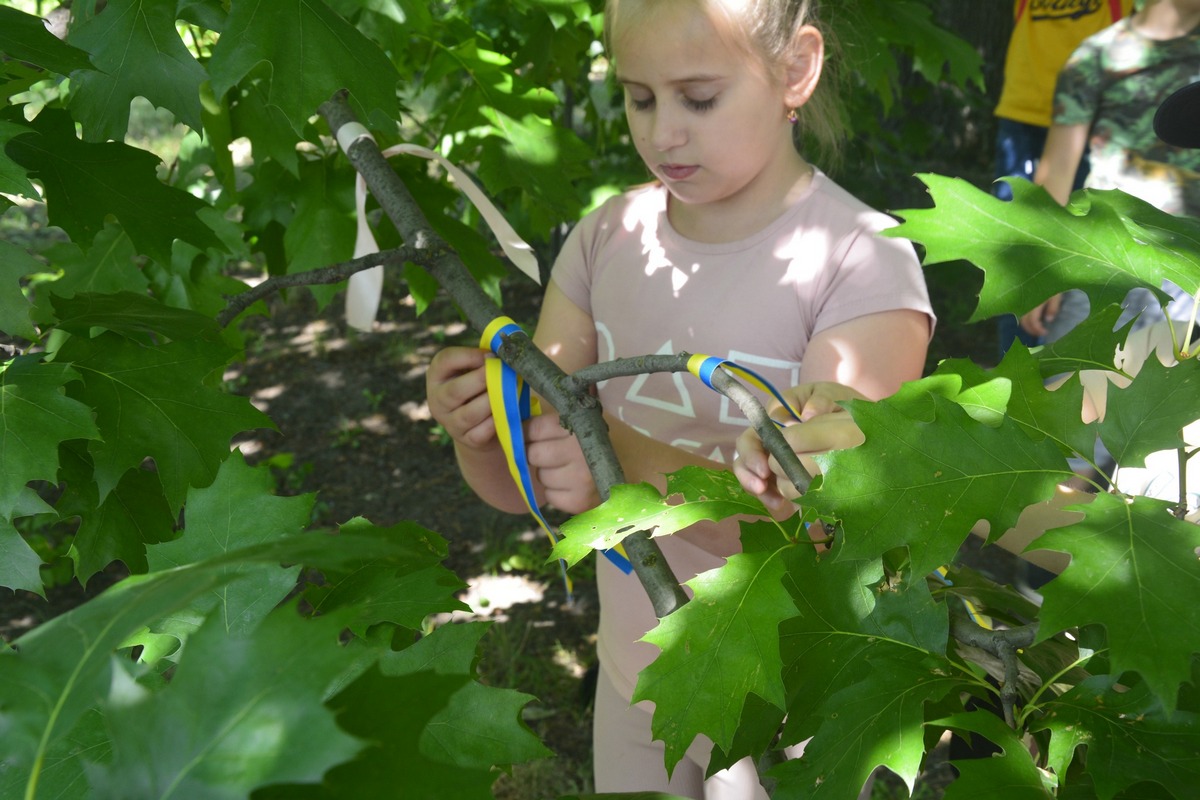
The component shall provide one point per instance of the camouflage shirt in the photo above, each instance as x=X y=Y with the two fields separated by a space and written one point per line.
x=1114 y=82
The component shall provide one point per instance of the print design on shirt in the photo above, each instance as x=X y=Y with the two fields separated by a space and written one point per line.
x=730 y=414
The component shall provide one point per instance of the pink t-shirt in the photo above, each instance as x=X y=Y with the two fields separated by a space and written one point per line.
x=757 y=302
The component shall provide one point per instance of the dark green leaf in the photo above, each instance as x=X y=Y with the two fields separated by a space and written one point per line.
x=154 y=402
x=35 y=416
x=305 y=39
x=1129 y=737
x=926 y=474
x=85 y=182
x=24 y=37
x=137 y=52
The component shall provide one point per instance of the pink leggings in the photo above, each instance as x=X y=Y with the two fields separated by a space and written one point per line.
x=628 y=760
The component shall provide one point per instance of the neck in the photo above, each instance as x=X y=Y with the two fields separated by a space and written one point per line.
x=1167 y=19
x=746 y=213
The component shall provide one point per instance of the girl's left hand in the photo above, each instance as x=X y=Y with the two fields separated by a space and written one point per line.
x=825 y=426
x=558 y=465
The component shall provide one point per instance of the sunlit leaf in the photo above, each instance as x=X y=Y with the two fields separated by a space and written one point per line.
x=926 y=474
x=1133 y=570
x=721 y=646
x=702 y=495
x=1032 y=248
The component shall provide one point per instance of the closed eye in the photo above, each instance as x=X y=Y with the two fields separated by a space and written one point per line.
x=699 y=105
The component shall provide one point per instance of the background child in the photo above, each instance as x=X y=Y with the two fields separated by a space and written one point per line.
x=1105 y=100
x=739 y=249
x=1044 y=35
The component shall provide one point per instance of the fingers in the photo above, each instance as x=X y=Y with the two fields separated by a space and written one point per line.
x=558 y=463
x=456 y=390
x=815 y=399
x=1035 y=321
x=753 y=470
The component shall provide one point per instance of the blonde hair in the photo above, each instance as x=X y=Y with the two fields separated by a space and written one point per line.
x=767 y=30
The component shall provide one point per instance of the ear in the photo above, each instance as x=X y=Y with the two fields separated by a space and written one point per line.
x=802 y=68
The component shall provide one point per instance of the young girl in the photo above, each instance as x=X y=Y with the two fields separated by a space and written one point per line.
x=740 y=249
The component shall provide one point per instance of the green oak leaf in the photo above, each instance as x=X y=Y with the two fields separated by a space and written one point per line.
x=1129 y=737
x=1133 y=570
x=24 y=37
x=323 y=228
x=133 y=315
x=1043 y=413
x=926 y=474
x=703 y=495
x=541 y=158
x=306 y=39
x=35 y=416
x=85 y=182
x=106 y=268
x=15 y=308
x=397 y=764
x=239 y=509
x=20 y=566
x=877 y=720
x=1031 y=247
x=1150 y=413
x=136 y=52
x=720 y=646
x=1009 y=775
x=14 y=178
x=382 y=592
x=241 y=711
x=1089 y=345
x=59 y=670
x=154 y=402
x=1174 y=240
x=64 y=667
x=133 y=515
x=65 y=772
x=860 y=632
x=480 y=726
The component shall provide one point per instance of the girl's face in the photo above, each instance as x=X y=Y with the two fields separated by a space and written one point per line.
x=705 y=115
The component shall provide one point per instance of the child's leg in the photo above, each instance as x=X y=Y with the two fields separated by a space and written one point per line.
x=626 y=759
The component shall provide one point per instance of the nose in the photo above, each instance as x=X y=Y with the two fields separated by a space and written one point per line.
x=667 y=131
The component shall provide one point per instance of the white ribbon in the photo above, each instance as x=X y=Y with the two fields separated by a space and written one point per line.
x=366 y=286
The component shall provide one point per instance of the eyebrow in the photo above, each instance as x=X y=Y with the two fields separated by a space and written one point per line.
x=688 y=81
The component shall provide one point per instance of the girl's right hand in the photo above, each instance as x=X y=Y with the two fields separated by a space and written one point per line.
x=456 y=390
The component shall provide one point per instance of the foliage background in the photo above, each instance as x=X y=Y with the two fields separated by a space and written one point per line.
x=264 y=192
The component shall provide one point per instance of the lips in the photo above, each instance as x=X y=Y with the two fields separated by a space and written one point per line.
x=678 y=172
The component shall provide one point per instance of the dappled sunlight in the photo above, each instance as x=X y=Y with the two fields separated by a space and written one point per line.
x=489 y=596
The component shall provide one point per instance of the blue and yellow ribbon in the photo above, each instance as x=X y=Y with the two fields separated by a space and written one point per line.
x=512 y=403
x=703 y=367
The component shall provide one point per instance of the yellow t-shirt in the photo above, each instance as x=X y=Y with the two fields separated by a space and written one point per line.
x=1046 y=32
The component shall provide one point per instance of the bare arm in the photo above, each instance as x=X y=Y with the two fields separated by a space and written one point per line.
x=1056 y=172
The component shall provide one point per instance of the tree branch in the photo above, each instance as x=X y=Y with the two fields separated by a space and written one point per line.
x=580 y=412
x=334 y=273
x=1003 y=644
